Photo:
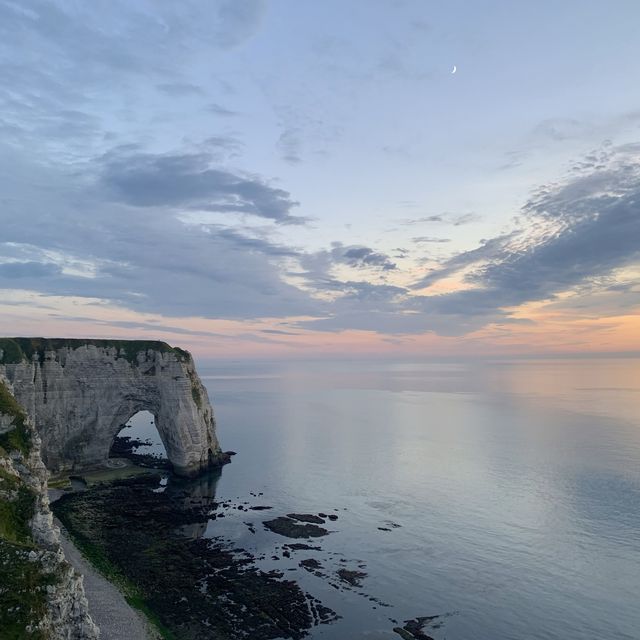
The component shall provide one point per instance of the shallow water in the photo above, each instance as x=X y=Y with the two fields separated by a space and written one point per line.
x=516 y=485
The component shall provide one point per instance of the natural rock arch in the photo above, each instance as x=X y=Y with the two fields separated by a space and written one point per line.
x=139 y=435
x=80 y=392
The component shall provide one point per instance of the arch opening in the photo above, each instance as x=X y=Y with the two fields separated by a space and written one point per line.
x=138 y=442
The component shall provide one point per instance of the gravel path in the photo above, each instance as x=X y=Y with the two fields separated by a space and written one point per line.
x=108 y=608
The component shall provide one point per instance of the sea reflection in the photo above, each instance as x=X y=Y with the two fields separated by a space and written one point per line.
x=516 y=485
x=196 y=496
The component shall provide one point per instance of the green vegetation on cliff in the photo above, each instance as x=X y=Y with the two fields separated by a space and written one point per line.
x=18 y=438
x=195 y=390
x=16 y=509
x=23 y=589
x=23 y=583
x=16 y=350
x=11 y=351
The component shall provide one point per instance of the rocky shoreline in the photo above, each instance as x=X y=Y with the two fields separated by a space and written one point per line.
x=159 y=538
x=150 y=543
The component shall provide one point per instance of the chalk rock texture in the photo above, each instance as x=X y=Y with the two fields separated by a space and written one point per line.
x=79 y=393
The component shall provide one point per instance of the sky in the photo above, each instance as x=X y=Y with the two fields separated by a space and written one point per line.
x=293 y=179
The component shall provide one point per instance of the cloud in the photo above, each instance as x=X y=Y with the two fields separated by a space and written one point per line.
x=577 y=231
x=573 y=234
x=289 y=145
x=234 y=22
x=116 y=229
x=318 y=269
x=188 y=180
x=220 y=148
x=261 y=245
x=30 y=269
x=151 y=326
x=464 y=218
x=221 y=111
x=421 y=239
x=127 y=36
x=179 y=89
x=561 y=129
x=280 y=332
x=456 y=220
x=108 y=60
x=357 y=256
x=144 y=258
x=488 y=249
x=422 y=220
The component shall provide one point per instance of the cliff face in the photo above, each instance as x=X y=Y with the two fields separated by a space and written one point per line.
x=41 y=596
x=80 y=392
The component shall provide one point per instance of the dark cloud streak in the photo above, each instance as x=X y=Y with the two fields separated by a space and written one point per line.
x=188 y=180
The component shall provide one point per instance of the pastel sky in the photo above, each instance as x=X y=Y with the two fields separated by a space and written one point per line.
x=294 y=178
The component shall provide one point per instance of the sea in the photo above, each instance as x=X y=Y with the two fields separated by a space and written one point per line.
x=502 y=497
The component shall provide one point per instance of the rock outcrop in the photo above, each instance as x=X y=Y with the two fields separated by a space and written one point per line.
x=41 y=595
x=79 y=393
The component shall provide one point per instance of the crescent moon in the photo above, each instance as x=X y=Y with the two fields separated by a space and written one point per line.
x=454 y=69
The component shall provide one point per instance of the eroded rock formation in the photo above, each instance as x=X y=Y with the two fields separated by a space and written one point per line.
x=80 y=392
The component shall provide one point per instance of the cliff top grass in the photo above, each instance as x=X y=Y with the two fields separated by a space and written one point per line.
x=15 y=350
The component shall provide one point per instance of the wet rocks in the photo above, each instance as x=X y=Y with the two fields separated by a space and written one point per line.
x=351 y=577
x=413 y=629
x=403 y=633
x=197 y=587
x=306 y=517
x=127 y=447
x=313 y=566
x=291 y=529
x=310 y=563
x=301 y=546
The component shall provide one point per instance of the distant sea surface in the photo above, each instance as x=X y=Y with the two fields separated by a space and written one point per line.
x=516 y=486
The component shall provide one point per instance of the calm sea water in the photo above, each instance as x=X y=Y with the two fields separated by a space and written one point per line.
x=516 y=485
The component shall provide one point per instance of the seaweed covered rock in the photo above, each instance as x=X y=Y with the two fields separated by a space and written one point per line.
x=289 y=528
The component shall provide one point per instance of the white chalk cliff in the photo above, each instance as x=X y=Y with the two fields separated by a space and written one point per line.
x=79 y=393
